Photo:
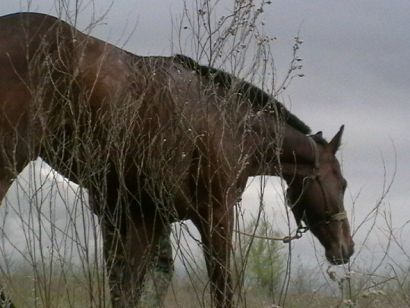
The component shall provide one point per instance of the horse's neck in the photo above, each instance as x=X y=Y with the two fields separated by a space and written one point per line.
x=299 y=155
x=297 y=148
x=296 y=151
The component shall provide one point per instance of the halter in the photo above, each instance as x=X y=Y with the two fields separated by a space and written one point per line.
x=328 y=218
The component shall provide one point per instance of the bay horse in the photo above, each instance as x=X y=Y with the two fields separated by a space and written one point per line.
x=157 y=140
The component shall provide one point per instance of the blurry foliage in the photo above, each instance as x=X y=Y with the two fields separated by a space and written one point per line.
x=265 y=262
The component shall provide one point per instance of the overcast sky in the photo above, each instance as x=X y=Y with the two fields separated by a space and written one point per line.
x=357 y=72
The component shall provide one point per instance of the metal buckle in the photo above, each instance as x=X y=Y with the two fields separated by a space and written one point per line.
x=300 y=230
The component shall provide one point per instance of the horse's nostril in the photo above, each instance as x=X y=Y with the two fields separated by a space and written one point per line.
x=339 y=254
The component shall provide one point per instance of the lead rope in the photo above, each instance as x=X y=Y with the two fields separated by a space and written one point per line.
x=285 y=239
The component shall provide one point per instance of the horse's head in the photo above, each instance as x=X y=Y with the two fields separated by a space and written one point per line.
x=316 y=197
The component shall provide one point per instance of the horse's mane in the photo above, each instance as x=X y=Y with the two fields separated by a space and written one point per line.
x=258 y=98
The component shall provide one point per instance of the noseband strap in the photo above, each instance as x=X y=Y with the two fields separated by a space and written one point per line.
x=339 y=216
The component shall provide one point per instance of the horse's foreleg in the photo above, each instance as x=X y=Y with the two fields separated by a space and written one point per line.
x=114 y=242
x=216 y=233
x=127 y=253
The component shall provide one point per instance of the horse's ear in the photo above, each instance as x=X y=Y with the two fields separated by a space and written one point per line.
x=319 y=135
x=334 y=144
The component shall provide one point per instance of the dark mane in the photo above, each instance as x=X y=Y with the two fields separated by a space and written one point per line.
x=258 y=98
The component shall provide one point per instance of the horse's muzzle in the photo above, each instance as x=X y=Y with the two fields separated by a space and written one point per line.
x=340 y=254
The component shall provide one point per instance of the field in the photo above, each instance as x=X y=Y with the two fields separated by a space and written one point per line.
x=70 y=288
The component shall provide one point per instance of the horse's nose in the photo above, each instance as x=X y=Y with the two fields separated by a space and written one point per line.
x=340 y=254
x=350 y=249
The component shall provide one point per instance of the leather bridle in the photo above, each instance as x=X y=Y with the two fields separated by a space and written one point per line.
x=328 y=217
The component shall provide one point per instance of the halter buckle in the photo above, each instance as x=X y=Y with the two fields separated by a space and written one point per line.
x=300 y=230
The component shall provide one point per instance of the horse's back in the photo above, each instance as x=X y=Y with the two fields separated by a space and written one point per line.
x=21 y=36
x=25 y=40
